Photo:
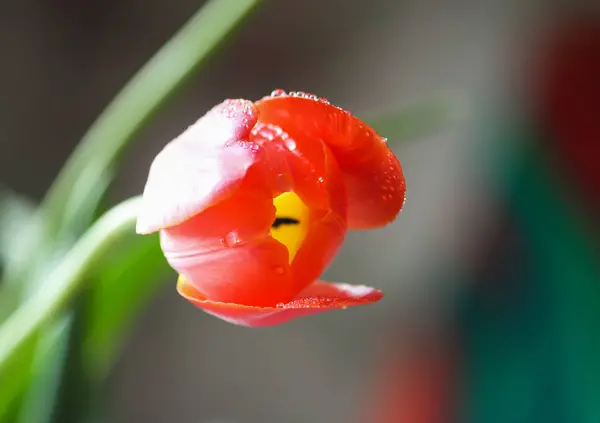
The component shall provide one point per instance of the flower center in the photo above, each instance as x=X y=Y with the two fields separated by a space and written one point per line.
x=291 y=221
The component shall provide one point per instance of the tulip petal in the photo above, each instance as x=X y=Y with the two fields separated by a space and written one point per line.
x=318 y=182
x=228 y=255
x=202 y=166
x=375 y=184
x=316 y=298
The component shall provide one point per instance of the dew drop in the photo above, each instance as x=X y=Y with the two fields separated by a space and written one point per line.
x=303 y=94
x=282 y=183
x=290 y=144
x=278 y=270
x=278 y=93
x=231 y=239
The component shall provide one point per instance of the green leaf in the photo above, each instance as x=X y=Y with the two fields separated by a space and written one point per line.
x=47 y=370
x=120 y=285
x=18 y=226
x=15 y=375
x=75 y=395
x=124 y=284
x=18 y=334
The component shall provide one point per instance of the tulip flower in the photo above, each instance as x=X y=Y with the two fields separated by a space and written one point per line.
x=253 y=201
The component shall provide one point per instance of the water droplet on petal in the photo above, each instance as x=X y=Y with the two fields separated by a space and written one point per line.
x=290 y=144
x=278 y=93
x=278 y=270
x=231 y=239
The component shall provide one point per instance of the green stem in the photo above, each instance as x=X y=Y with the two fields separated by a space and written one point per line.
x=172 y=65
x=63 y=283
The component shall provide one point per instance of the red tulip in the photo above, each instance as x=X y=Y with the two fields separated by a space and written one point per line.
x=254 y=199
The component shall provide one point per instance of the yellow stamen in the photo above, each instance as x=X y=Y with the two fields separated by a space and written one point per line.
x=291 y=224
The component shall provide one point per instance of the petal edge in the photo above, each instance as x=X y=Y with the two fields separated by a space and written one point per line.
x=204 y=164
x=316 y=298
x=375 y=183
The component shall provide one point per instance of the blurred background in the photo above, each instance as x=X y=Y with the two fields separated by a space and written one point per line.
x=491 y=272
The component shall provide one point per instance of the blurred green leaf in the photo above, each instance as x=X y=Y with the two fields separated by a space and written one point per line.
x=124 y=284
x=18 y=225
x=119 y=286
x=16 y=374
x=18 y=334
x=74 y=398
x=47 y=370
x=420 y=120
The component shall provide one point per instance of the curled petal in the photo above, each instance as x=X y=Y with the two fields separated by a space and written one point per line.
x=316 y=298
x=318 y=181
x=205 y=164
x=375 y=185
x=228 y=254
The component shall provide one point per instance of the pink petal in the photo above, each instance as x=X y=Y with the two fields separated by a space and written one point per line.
x=316 y=298
x=203 y=165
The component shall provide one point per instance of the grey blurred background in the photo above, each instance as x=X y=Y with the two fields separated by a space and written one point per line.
x=63 y=61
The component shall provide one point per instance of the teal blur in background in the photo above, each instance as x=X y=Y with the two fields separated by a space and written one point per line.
x=522 y=341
